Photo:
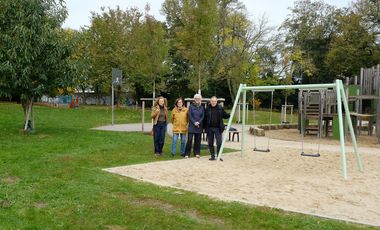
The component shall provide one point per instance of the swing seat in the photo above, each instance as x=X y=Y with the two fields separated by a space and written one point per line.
x=261 y=150
x=310 y=154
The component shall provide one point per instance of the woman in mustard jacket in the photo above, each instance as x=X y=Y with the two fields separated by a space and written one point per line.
x=160 y=120
x=180 y=121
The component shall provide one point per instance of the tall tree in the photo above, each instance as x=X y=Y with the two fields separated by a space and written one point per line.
x=309 y=30
x=352 y=47
x=151 y=51
x=238 y=42
x=33 y=50
x=196 y=38
x=112 y=45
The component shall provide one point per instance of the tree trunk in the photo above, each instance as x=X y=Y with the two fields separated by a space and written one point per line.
x=199 y=80
x=28 y=106
x=230 y=89
x=154 y=87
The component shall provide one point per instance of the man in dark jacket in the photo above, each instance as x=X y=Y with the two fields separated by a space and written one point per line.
x=196 y=115
x=214 y=125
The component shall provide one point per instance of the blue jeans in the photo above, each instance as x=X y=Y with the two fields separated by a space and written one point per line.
x=175 y=140
x=159 y=131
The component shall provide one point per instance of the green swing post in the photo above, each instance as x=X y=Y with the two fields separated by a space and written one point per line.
x=243 y=123
x=230 y=121
x=351 y=128
x=341 y=131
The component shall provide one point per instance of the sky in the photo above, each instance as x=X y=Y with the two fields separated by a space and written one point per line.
x=275 y=10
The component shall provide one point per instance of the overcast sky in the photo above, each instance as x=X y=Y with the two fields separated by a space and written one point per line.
x=275 y=10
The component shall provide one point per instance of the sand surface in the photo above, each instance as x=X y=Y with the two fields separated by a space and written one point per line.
x=281 y=179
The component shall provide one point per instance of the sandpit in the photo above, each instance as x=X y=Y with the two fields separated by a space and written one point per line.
x=280 y=179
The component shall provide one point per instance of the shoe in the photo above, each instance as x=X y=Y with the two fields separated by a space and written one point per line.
x=156 y=154
x=186 y=157
x=197 y=156
x=212 y=159
x=221 y=159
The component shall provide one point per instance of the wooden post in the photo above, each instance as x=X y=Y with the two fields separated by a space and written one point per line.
x=142 y=116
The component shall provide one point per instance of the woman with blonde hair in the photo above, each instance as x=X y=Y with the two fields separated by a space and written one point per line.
x=180 y=121
x=160 y=119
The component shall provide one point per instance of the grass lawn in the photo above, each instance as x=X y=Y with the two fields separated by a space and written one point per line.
x=52 y=179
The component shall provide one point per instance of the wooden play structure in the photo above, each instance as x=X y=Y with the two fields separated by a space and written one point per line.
x=318 y=108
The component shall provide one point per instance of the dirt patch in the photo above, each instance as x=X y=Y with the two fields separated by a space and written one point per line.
x=6 y=203
x=40 y=205
x=10 y=180
x=170 y=208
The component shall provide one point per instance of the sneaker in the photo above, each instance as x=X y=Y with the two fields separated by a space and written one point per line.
x=221 y=159
x=197 y=156
x=186 y=157
x=156 y=154
x=212 y=159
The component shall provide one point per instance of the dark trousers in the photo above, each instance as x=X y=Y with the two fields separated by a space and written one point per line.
x=197 y=143
x=211 y=133
x=159 y=131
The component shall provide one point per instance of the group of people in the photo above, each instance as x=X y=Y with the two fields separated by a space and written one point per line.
x=190 y=122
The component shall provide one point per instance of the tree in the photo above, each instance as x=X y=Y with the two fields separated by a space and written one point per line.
x=308 y=31
x=33 y=50
x=236 y=59
x=112 y=45
x=352 y=47
x=369 y=11
x=151 y=51
x=195 y=39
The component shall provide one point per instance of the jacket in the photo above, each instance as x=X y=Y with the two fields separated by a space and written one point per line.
x=221 y=115
x=180 y=120
x=156 y=112
x=196 y=114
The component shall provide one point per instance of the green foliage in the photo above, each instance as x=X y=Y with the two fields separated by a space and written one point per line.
x=33 y=51
x=112 y=45
x=351 y=48
x=151 y=52
x=309 y=29
x=195 y=37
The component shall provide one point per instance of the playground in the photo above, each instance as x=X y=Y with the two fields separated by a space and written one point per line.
x=301 y=175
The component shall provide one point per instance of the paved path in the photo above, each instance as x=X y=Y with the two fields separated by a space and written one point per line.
x=261 y=141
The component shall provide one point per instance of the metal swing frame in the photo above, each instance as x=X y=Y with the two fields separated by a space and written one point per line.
x=341 y=99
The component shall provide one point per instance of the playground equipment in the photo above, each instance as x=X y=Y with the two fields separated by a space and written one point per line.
x=363 y=95
x=254 y=120
x=318 y=114
x=284 y=113
x=341 y=98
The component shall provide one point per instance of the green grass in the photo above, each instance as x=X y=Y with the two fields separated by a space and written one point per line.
x=52 y=179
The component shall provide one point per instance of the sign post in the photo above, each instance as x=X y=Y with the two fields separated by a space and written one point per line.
x=116 y=80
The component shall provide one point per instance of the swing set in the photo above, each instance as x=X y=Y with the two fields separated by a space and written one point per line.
x=341 y=99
